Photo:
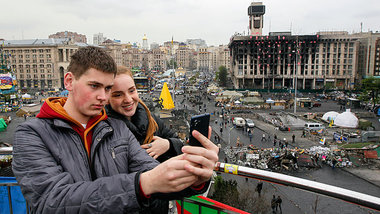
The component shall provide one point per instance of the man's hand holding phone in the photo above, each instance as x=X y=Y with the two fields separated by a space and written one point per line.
x=202 y=158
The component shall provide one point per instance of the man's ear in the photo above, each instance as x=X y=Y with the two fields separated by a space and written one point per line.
x=68 y=80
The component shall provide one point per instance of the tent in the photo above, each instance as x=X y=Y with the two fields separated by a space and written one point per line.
x=26 y=96
x=167 y=101
x=269 y=100
x=347 y=120
x=230 y=94
x=252 y=100
x=3 y=125
x=331 y=115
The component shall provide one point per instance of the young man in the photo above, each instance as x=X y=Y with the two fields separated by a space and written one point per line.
x=74 y=159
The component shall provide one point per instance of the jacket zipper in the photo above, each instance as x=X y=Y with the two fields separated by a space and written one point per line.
x=85 y=157
x=95 y=149
x=113 y=153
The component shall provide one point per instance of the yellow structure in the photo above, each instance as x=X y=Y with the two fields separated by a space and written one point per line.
x=167 y=101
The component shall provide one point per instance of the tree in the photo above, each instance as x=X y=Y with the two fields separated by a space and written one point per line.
x=222 y=75
x=228 y=192
x=371 y=90
x=170 y=64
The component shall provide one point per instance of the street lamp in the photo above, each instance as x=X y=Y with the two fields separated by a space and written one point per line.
x=295 y=77
x=229 y=136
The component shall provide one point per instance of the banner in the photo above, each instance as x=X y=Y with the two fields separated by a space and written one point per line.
x=6 y=81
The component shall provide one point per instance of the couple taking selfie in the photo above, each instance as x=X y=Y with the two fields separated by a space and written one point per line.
x=100 y=150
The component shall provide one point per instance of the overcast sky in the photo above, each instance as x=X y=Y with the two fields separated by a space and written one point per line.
x=212 y=20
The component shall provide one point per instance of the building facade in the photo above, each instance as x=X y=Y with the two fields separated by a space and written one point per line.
x=74 y=36
x=98 y=39
x=321 y=61
x=40 y=64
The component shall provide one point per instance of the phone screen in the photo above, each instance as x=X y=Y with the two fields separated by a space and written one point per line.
x=199 y=123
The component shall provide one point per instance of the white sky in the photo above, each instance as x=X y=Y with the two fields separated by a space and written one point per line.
x=212 y=20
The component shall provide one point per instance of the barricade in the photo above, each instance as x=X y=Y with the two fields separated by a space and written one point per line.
x=11 y=198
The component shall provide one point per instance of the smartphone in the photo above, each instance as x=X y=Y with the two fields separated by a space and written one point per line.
x=199 y=123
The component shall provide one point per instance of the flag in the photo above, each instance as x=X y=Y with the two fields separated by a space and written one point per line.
x=322 y=141
x=331 y=123
x=172 y=40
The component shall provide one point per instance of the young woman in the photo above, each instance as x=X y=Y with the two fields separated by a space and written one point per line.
x=159 y=141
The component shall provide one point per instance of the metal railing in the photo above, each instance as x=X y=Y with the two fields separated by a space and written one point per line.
x=350 y=196
x=304 y=184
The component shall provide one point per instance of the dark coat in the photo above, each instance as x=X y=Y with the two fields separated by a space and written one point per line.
x=56 y=176
x=139 y=125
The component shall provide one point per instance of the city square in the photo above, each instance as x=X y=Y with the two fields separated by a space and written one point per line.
x=299 y=105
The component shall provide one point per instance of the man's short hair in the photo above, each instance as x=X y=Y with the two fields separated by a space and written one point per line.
x=91 y=57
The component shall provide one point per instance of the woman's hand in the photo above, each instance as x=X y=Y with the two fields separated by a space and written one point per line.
x=157 y=147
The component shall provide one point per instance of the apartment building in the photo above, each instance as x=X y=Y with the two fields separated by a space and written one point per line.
x=185 y=57
x=40 y=63
x=114 y=49
x=211 y=58
x=74 y=36
x=158 y=60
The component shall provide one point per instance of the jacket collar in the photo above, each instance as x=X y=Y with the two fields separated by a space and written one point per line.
x=138 y=123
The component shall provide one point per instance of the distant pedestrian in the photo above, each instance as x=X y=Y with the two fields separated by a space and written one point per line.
x=303 y=133
x=278 y=203
x=263 y=138
x=259 y=187
x=25 y=116
x=273 y=204
x=274 y=142
x=293 y=138
x=286 y=143
x=221 y=130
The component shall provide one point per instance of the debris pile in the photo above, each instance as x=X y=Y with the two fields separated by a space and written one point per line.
x=287 y=159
